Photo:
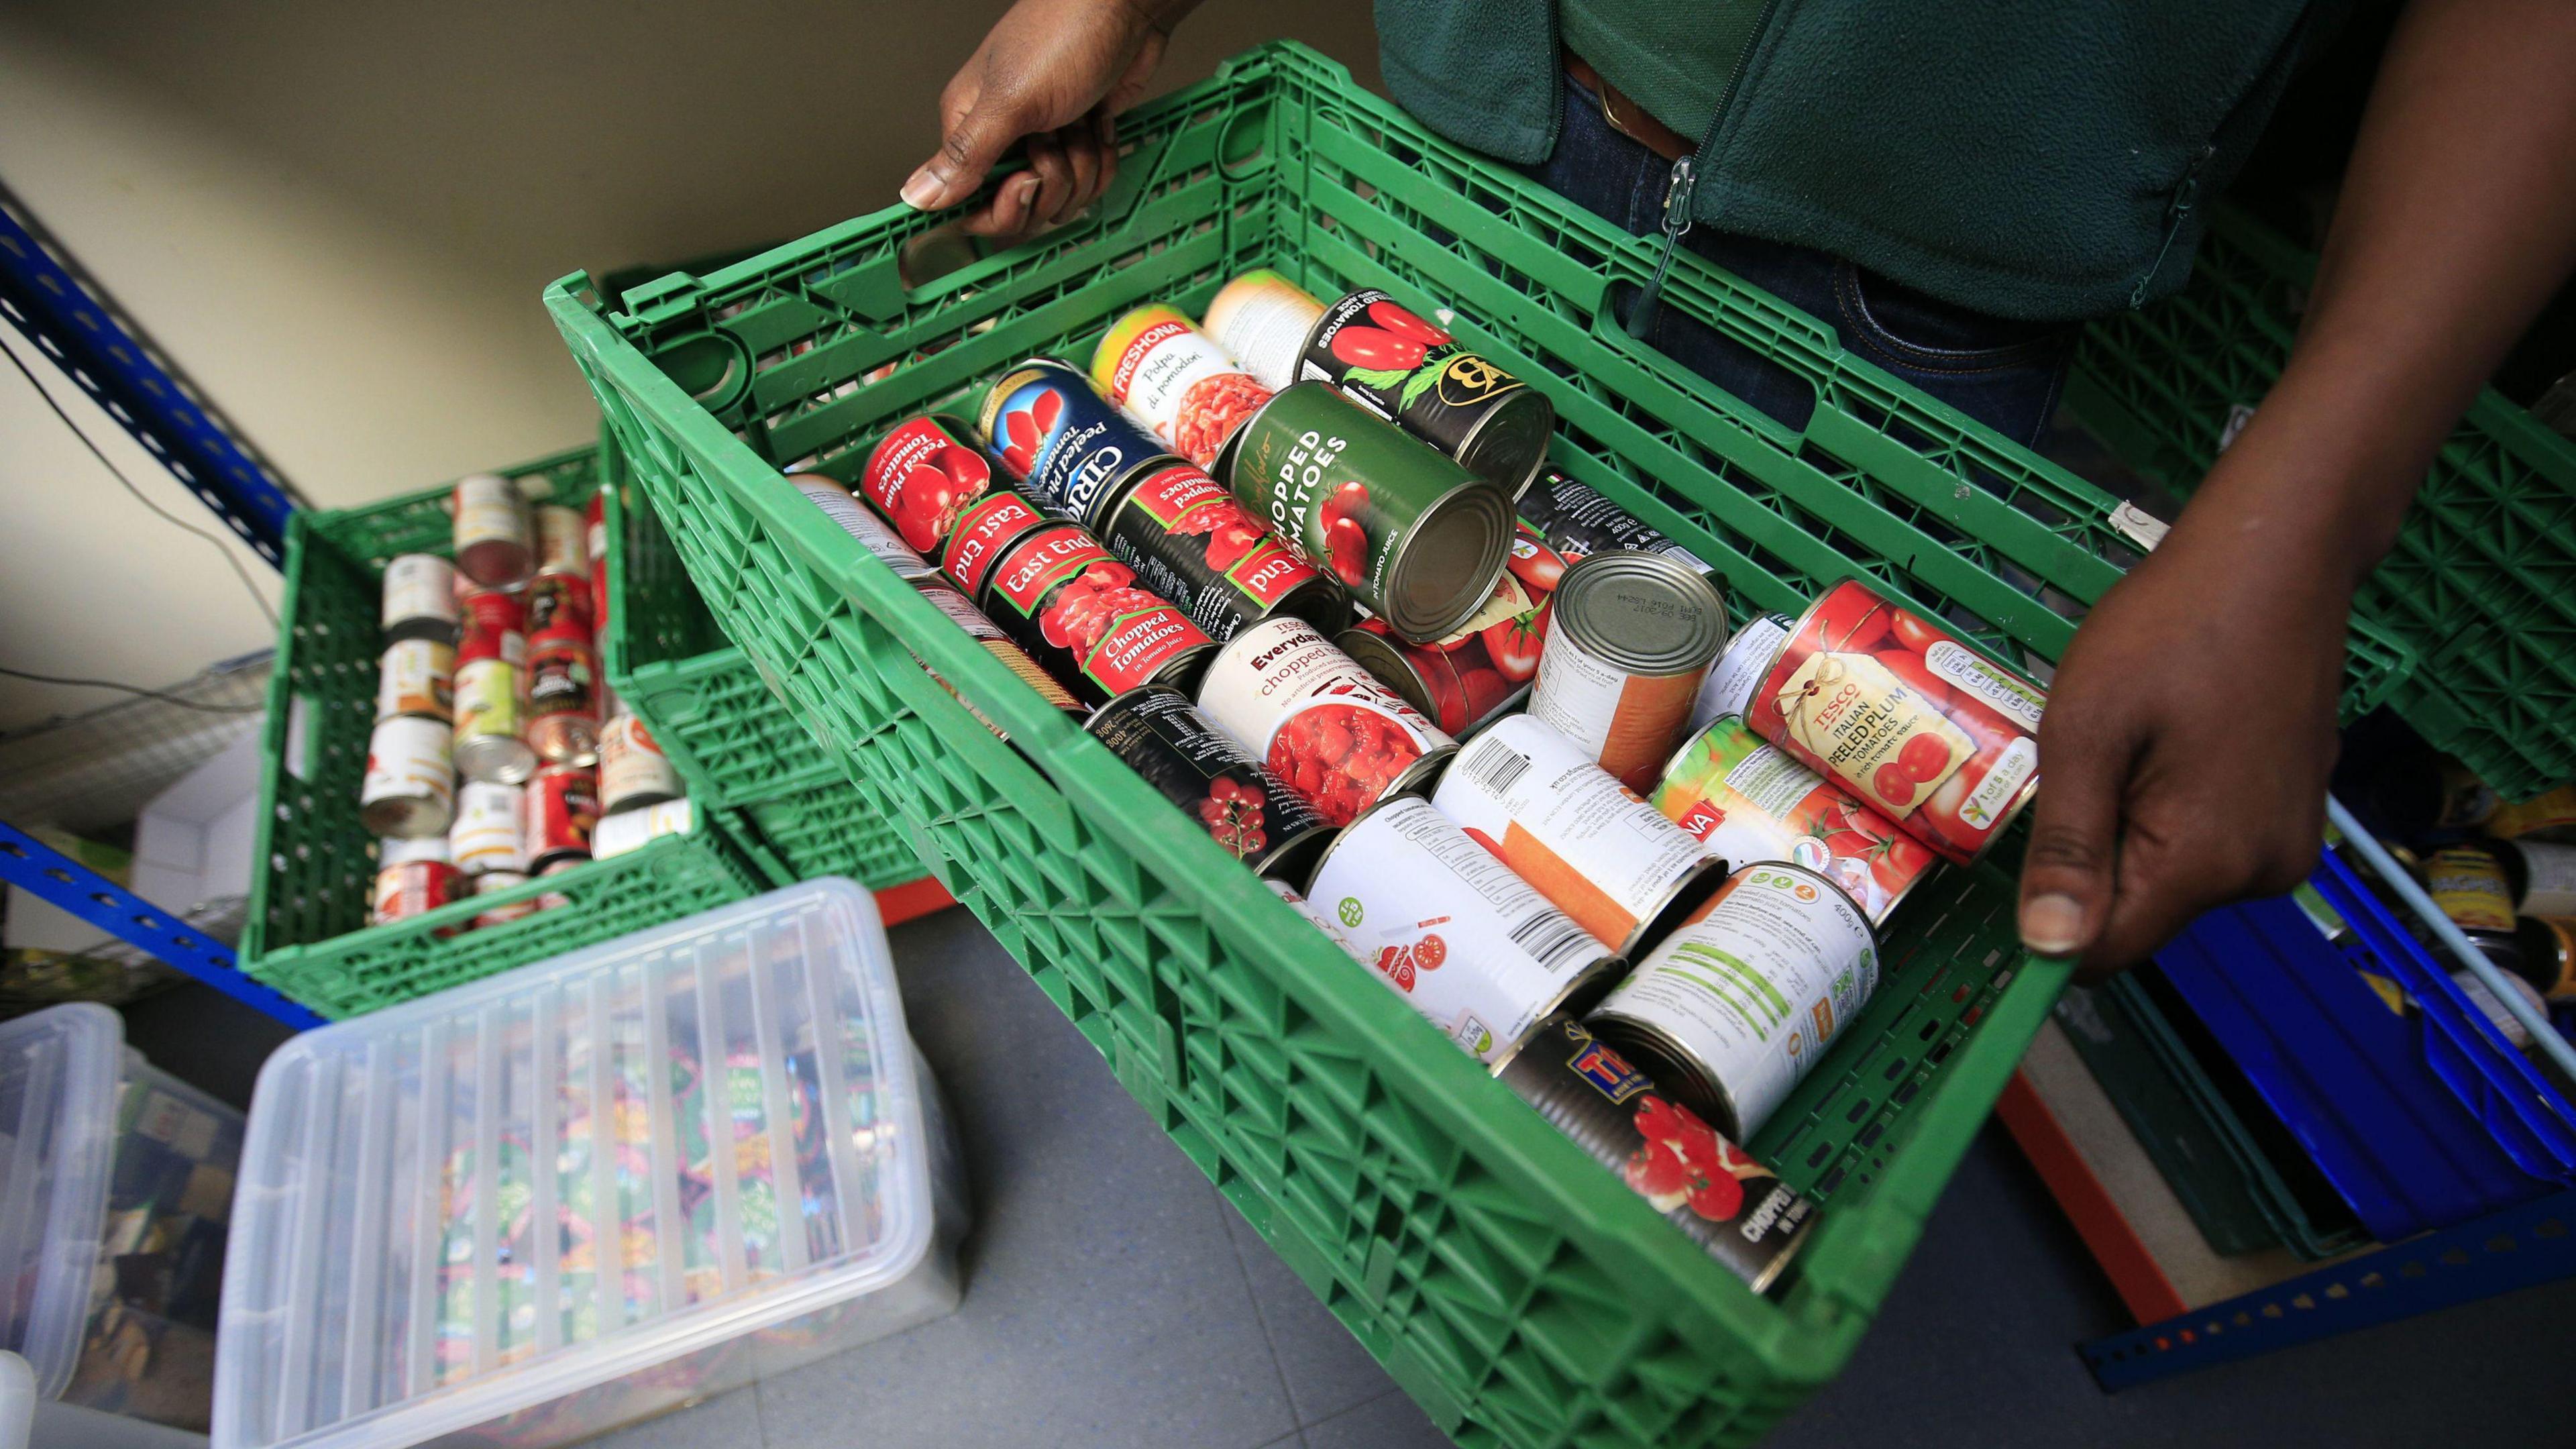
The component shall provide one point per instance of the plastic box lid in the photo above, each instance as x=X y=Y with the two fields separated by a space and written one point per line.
x=382 y=1290
x=59 y=1072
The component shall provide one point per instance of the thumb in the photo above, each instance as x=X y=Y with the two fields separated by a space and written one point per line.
x=2067 y=874
x=974 y=138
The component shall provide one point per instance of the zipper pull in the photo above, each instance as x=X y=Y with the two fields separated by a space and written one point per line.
x=1677 y=223
x=2186 y=196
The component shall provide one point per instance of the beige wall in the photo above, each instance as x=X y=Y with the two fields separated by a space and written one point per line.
x=337 y=216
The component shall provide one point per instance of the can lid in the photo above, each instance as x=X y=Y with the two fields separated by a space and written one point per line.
x=1444 y=570
x=1382 y=657
x=1509 y=443
x=1643 y=612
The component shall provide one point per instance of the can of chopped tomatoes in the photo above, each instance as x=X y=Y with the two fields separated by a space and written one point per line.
x=1321 y=723
x=493 y=547
x=1469 y=944
x=489 y=658
x=1077 y=611
x=488 y=834
x=1156 y=732
x=1473 y=674
x=562 y=805
x=1574 y=521
x=842 y=506
x=1630 y=637
x=962 y=612
x=1174 y=379
x=1935 y=736
x=1736 y=1209
x=988 y=527
x=1191 y=542
x=417 y=677
x=1063 y=441
x=922 y=475
x=1747 y=657
x=413 y=878
x=1416 y=538
x=1749 y=801
x=1739 y=1003
x=420 y=599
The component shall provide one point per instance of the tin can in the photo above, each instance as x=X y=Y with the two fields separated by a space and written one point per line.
x=420 y=599
x=493 y=548
x=1413 y=536
x=1630 y=637
x=1321 y=723
x=1156 y=732
x=633 y=771
x=563 y=692
x=1412 y=373
x=1574 y=521
x=562 y=805
x=417 y=677
x=1586 y=842
x=1731 y=681
x=1471 y=675
x=1468 y=944
x=413 y=887
x=2555 y=810
x=1736 y=1209
x=921 y=475
x=962 y=612
x=1262 y=320
x=1331 y=928
x=1077 y=611
x=987 y=527
x=634 y=829
x=1059 y=438
x=409 y=791
x=2549 y=955
x=2541 y=876
x=492 y=883
x=489 y=659
x=1749 y=801
x=563 y=542
x=557 y=900
x=1191 y=542
x=1736 y=1006
x=2468 y=883
x=1173 y=378
x=486 y=835
x=842 y=506
x=595 y=545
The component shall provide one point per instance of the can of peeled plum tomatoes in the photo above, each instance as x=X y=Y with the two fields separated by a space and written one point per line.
x=1467 y=943
x=922 y=475
x=1078 y=612
x=1749 y=801
x=493 y=547
x=410 y=786
x=1739 y=1003
x=1583 y=840
x=1629 y=639
x=1415 y=537
x=1321 y=723
x=1191 y=542
x=842 y=506
x=1935 y=736
x=1063 y=441
x=1173 y=378
x=1736 y=1209
x=1414 y=374
x=420 y=599
x=1160 y=735
x=563 y=809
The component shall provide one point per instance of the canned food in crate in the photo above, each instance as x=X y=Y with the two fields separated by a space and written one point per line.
x=1469 y=944
x=1738 y=672
x=489 y=658
x=842 y=506
x=1078 y=611
x=2468 y=883
x=1736 y=1209
x=493 y=548
x=2549 y=955
x=410 y=787
x=1736 y=1006
x=1933 y=735
x=556 y=900
x=1323 y=724
x=563 y=692
x=2541 y=876
x=1174 y=379
x=562 y=805
x=492 y=883
x=595 y=541
x=552 y=598
x=1579 y=837
x=983 y=531
x=1629 y=638
x=922 y=475
x=1416 y=538
x=1262 y=320
x=413 y=879
x=1156 y=732
x=633 y=771
x=487 y=835
x=1748 y=801
x=1191 y=542
x=417 y=677
x=1060 y=438
x=1573 y=521
x=962 y=612
x=1331 y=928
x=634 y=829
x=563 y=542
x=1414 y=374
x=420 y=599
x=1474 y=673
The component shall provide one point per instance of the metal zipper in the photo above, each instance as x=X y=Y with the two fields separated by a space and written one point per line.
x=2186 y=196
x=1677 y=193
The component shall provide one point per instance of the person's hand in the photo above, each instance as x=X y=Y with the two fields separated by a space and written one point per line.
x=1055 y=73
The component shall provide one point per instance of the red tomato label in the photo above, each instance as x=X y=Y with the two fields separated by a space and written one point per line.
x=921 y=477
x=1137 y=644
x=1044 y=559
x=980 y=537
x=1185 y=502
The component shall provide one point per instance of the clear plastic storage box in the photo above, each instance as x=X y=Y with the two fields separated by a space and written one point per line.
x=530 y=1209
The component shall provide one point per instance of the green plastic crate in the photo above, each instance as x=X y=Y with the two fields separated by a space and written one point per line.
x=2481 y=586
x=307 y=932
x=1518 y=1291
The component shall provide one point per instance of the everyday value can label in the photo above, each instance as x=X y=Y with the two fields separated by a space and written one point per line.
x=1064 y=599
x=1246 y=810
x=1174 y=379
x=1060 y=438
x=1321 y=723
x=1192 y=543
x=1748 y=801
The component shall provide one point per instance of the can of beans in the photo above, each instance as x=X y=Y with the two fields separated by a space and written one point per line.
x=1469 y=944
x=410 y=786
x=1629 y=638
x=489 y=659
x=1736 y=1006
x=1331 y=928
x=1472 y=674
x=1174 y=379
x=1062 y=441
x=1731 y=681
x=1574 y=521
x=962 y=612
x=1586 y=842
x=1736 y=1209
x=1321 y=723
x=1191 y=542
x=417 y=677
x=1416 y=538
x=1160 y=735
x=595 y=542
x=563 y=542
x=563 y=691
x=487 y=834
x=987 y=527
x=562 y=805
x=842 y=506
x=493 y=548
x=420 y=599
x=1389 y=360
x=1935 y=736
x=492 y=883
x=1076 y=610
x=633 y=771
x=413 y=878
x=1749 y=801
x=634 y=829
x=922 y=475
x=1262 y=320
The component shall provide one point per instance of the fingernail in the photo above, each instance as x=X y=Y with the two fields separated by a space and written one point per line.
x=1028 y=188
x=2051 y=924
x=921 y=190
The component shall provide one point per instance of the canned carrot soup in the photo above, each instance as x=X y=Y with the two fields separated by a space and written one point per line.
x=1059 y=595
x=1748 y=801
x=1156 y=732
x=1323 y=724
x=417 y=677
x=1738 y=672
x=1630 y=637
x=1063 y=441
x=493 y=547
x=420 y=599
x=1173 y=378
x=409 y=791
x=1192 y=543
x=922 y=475
x=842 y=506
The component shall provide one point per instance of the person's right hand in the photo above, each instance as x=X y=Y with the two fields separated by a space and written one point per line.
x=1055 y=72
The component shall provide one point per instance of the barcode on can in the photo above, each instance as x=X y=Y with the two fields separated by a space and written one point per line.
x=1553 y=939
x=1494 y=769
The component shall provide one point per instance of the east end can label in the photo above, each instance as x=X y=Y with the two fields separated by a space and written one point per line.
x=1404 y=369
x=1933 y=735
x=1748 y=801
x=1736 y=1209
x=1175 y=380
x=1415 y=537
x=1629 y=640
x=922 y=475
x=1580 y=838
x=1060 y=438
x=1471 y=674
x=1738 y=1004
x=1076 y=609
x=981 y=534
x=1156 y=732
x=1192 y=543
x=1321 y=723
x=1467 y=943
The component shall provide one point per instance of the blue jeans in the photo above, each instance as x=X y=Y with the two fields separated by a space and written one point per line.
x=2005 y=374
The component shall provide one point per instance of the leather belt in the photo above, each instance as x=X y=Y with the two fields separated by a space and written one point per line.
x=1627 y=117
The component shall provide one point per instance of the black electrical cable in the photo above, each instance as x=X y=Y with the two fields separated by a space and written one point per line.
x=133 y=689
